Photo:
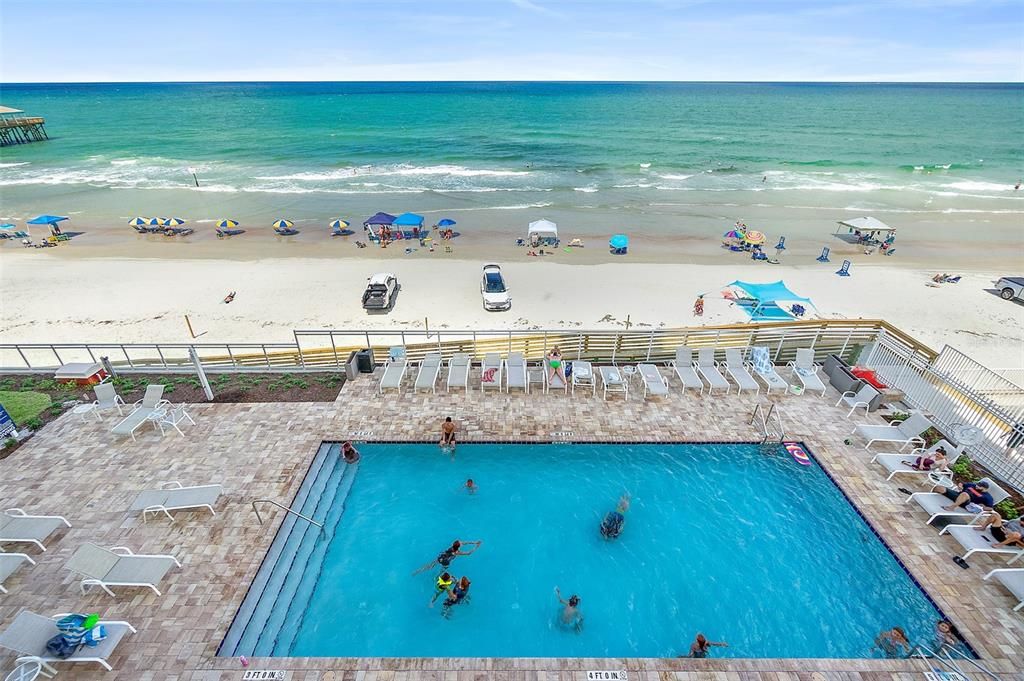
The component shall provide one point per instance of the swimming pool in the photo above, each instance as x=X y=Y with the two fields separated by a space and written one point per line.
x=737 y=541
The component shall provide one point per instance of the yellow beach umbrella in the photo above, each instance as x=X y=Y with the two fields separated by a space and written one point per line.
x=283 y=224
x=755 y=237
x=227 y=224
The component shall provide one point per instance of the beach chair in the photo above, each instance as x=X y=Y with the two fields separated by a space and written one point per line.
x=118 y=566
x=171 y=418
x=654 y=382
x=29 y=632
x=555 y=380
x=171 y=496
x=426 y=377
x=860 y=399
x=515 y=372
x=806 y=370
x=144 y=410
x=933 y=503
x=107 y=399
x=764 y=369
x=980 y=542
x=583 y=376
x=458 y=372
x=612 y=381
x=894 y=462
x=904 y=433
x=737 y=368
x=683 y=365
x=707 y=367
x=1013 y=580
x=394 y=372
x=490 y=372
x=18 y=527
x=9 y=564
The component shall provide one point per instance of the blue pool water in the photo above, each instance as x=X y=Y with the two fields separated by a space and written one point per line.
x=732 y=540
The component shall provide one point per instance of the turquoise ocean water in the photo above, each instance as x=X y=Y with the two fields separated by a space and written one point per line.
x=621 y=153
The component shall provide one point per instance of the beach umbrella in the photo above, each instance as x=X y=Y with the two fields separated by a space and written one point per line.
x=338 y=224
x=227 y=224
x=735 y=234
x=755 y=237
x=619 y=241
x=283 y=224
x=172 y=222
x=46 y=220
x=154 y=222
x=445 y=222
x=138 y=222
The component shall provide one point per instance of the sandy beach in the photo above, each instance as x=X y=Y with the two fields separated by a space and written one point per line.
x=139 y=290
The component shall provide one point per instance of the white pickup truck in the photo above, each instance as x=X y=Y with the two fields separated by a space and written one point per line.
x=1011 y=288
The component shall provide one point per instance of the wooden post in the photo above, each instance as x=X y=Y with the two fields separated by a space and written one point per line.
x=190 y=331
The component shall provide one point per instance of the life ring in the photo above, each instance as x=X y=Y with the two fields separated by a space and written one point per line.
x=798 y=453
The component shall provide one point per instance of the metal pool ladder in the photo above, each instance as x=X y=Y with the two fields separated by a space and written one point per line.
x=944 y=658
x=271 y=501
x=770 y=430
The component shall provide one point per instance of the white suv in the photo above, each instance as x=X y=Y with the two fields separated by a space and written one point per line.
x=493 y=289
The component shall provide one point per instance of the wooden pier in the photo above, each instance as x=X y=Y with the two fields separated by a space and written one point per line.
x=18 y=129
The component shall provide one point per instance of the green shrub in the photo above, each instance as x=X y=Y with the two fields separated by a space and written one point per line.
x=7 y=384
x=1007 y=509
x=34 y=423
x=10 y=442
x=68 y=386
x=898 y=417
x=169 y=388
x=42 y=384
x=962 y=468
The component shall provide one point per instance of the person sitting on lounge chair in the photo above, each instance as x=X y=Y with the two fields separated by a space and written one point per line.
x=555 y=366
x=967 y=493
x=936 y=462
x=997 y=527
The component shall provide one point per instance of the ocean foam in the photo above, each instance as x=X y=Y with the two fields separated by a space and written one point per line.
x=586 y=190
x=675 y=177
x=975 y=186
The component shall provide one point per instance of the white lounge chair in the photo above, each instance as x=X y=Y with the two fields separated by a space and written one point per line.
x=707 y=367
x=737 y=368
x=28 y=634
x=583 y=376
x=118 y=566
x=458 y=372
x=683 y=365
x=18 y=527
x=612 y=381
x=933 y=503
x=173 y=497
x=490 y=372
x=654 y=382
x=894 y=462
x=515 y=373
x=107 y=399
x=430 y=369
x=553 y=380
x=171 y=418
x=904 y=433
x=1013 y=580
x=806 y=370
x=142 y=411
x=980 y=542
x=860 y=399
x=9 y=563
x=761 y=363
x=394 y=373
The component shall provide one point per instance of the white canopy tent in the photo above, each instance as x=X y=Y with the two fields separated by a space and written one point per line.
x=543 y=229
x=866 y=224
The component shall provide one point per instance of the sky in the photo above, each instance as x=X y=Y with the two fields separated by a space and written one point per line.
x=753 y=40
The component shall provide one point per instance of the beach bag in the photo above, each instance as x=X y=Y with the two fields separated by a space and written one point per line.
x=75 y=630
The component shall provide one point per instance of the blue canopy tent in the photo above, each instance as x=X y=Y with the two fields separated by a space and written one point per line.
x=763 y=304
x=373 y=224
x=50 y=220
x=411 y=220
x=618 y=244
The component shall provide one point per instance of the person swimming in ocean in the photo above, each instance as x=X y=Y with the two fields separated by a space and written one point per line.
x=611 y=526
x=445 y=558
x=570 y=617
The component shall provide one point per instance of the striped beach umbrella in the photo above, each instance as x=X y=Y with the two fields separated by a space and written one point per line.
x=138 y=222
x=154 y=222
x=227 y=224
x=283 y=224
x=172 y=222
x=755 y=237
x=339 y=224
x=735 y=234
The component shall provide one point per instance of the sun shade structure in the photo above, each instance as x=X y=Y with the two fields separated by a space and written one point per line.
x=46 y=220
x=445 y=222
x=172 y=222
x=283 y=224
x=755 y=237
x=380 y=219
x=619 y=241
x=227 y=224
x=338 y=224
x=764 y=300
x=408 y=220
x=543 y=228
x=866 y=224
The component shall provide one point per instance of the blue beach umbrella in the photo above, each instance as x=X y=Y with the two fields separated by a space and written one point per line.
x=283 y=224
x=227 y=224
x=338 y=224
x=7 y=226
x=46 y=220
x=619 y=241
x=172 y=222
x=445 y=222
x=155 y=222
x=138 y=222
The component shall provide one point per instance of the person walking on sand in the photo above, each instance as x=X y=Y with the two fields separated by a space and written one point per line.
x=701 y=646
x=448 y=434
x=698 y=307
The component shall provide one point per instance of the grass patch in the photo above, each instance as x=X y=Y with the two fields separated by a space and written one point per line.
x=24 y=405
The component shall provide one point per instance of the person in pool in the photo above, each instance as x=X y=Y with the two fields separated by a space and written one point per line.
x=570 y=617
x=448 y=434
x=891 y=641
x=611 y=526
x=441 y=586
x=701 y=646
x=471 y=486
x=555 y=367
x=458 y=594
x=349 y=453
x=445 y=558
x=945 y=636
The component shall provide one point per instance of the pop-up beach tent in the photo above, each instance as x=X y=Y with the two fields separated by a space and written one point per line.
x=408 y=220
x=864 y=229
x=542 y=231
x=763 y=304
x=375 y=222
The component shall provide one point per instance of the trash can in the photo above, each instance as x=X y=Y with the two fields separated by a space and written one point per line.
x=364 y=358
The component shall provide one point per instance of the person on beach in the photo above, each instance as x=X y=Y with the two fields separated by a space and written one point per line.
x=471 y=486
x=349 y=453
x=458 y=594
x=996 y=526
x=891 y=641
x=554 y=358
x=937 y=461
x=443 y=585
x=570 y=617
x=445 y=558
x=448 y=434
x=701 y=646
x=698 y=307
x=966 y=493
x=615 y=521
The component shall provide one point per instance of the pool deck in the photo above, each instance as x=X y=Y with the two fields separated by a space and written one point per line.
x=261 y=451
